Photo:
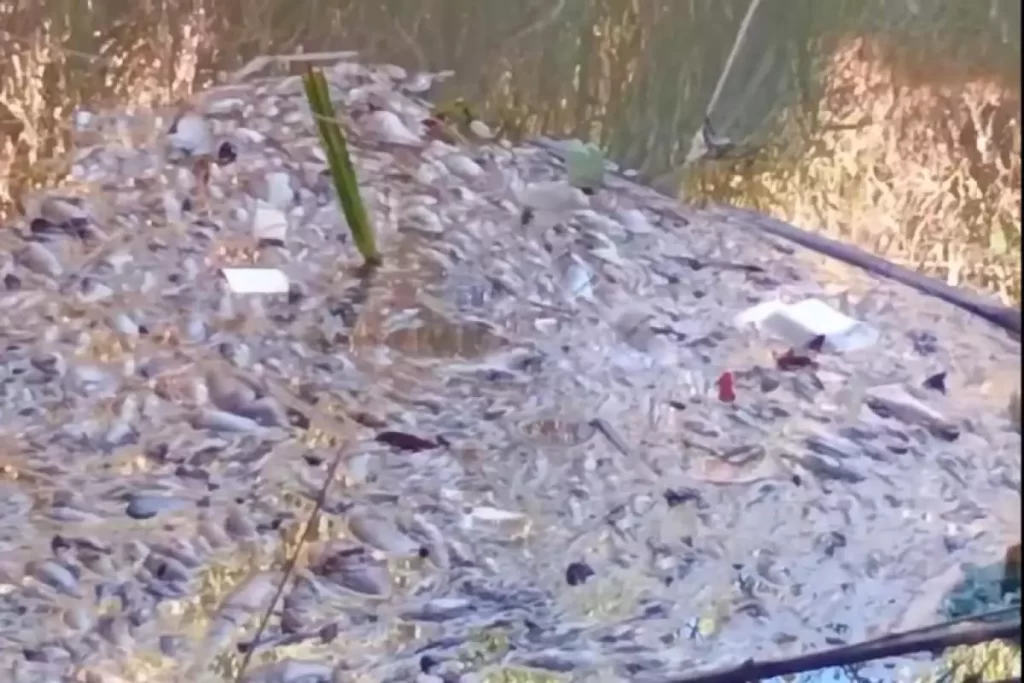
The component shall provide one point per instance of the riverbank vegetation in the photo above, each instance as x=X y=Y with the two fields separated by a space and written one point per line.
x=890 y=124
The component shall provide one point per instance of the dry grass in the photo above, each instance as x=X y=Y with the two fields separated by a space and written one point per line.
x=925 y=174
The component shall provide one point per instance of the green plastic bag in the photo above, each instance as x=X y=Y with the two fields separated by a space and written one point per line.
x=585 y=163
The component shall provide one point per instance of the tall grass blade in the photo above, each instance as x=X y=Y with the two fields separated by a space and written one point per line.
x=342 y=172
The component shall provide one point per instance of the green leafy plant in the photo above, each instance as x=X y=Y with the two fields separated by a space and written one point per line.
x=342 y=172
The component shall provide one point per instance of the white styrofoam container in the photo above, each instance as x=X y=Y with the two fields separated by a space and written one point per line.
x=801 y=322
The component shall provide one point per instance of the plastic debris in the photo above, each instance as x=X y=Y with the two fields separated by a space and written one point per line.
x=585 y=165
x=726 y=387
x=802 y=322
x=256 y=280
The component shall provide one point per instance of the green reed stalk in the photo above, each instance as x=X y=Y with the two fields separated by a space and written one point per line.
x=342 y=172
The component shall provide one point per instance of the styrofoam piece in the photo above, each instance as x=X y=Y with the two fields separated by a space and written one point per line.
x=269 y=222
x=256 y=280
x=801 y=322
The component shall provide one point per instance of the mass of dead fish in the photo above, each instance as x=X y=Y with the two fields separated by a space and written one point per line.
x=557 y=449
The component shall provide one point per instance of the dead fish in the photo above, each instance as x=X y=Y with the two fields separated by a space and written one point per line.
x=552 y=196
x=421 y=219
x=352 y=568
x=894 y=401
x=56 y=575
x=144 y=506
x=253 y=595
x=462 y=165
x=376 y=530
x=39 y=259
x=440 y=609
x=386 y=126
x=267 y=412
x=57 y=214
x=190 y=134
x=792 y=360
x=167 y=568
x=418 y=83
x=291 y=671
x=214 y=535
x=237 y=524
x=437 y=549
x=824 y=470
x=222 y=421
x=404 y=441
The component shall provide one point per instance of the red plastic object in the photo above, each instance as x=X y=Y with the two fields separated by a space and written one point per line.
x=726 y=387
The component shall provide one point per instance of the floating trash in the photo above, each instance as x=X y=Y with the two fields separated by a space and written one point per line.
x=807 y=320
x=584 y=163
x=256 y=280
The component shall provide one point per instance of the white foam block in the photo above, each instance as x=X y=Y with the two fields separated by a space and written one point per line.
x=800 y=322
x=256 y=280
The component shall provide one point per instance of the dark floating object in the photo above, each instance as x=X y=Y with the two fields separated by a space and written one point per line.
x=830 y=542
x=297 y=419
x=936 y=382
x=697 y=264
x=41 y=226
x=405 y=442
x=791 y=360
x=1011 y=571
x=794 y=359
x=577 y=573
x=681 y=496
x=945 y=432
x=925 y=343
x=726 y=387
x=295 y=294
x=816 y=344
x=669 y=332
x=329 y=632
x=149 y=506
x=59 y=543
x=226 y=153
x=428 y=663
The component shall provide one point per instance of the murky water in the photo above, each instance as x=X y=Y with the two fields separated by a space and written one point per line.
x=540 y=469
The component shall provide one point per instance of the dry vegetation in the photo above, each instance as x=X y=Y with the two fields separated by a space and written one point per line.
x=924 y=173
x=867 y=133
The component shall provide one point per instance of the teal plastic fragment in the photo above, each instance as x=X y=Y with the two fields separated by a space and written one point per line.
x=585 y=164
